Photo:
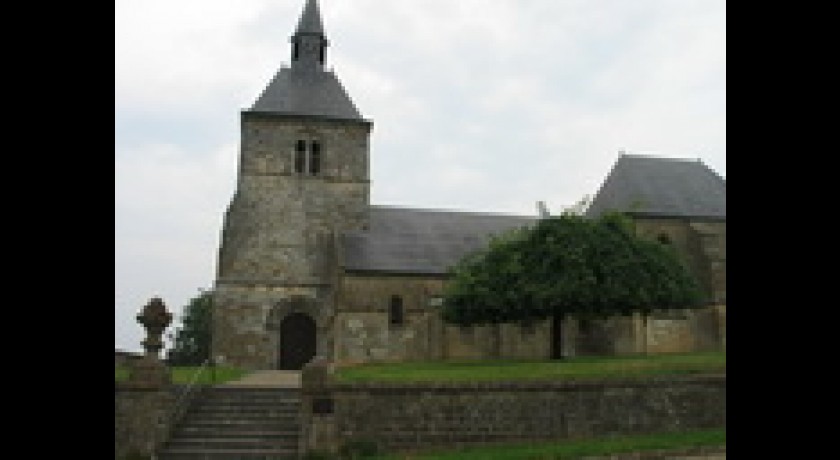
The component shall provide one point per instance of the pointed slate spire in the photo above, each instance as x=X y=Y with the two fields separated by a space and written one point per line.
x=307 y=88
x=310 y=20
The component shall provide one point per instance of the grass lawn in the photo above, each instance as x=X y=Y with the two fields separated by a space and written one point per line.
x=577 y=449
x=184 y=375
x=566 y=369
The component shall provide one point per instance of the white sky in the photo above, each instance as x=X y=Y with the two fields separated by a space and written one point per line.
x=482 y=105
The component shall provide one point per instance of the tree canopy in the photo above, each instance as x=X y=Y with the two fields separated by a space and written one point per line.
x=568 y=264
x=192 y=340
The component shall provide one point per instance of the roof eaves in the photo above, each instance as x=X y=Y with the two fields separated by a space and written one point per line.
x=288 y=115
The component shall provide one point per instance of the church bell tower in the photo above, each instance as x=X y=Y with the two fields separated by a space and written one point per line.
x=303 y=179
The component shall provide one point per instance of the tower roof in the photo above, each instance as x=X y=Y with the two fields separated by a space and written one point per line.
x=306 y=88
x=302 y=92
x=661 y=187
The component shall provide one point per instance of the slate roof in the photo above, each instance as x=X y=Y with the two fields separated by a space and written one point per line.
x=308 y=92
x=420 y=241
x=661 y=187
x=306 y=89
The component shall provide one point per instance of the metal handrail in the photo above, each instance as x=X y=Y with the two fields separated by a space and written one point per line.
x=192 y=384
x=183 y=398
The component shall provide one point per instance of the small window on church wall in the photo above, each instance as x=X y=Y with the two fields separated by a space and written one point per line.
x=315 y=159
x=663 y=238
x=321 y=51
x=395 y=312
x=300 y=157
x=295 y=51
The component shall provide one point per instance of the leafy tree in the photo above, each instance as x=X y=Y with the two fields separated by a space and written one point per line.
x=192 y=340
x=568 y=264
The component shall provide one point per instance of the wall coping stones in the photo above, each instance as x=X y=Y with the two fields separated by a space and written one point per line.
x=716 y=379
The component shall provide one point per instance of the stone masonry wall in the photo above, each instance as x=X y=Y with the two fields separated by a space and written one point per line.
x=682 y=331
x=142 y=419
x=246 y=330
x=710 y=240
x=277 y=238
x=497 y=342
x=422 y=416
x=363 y=332
x=278 y=224
x=702 y=246
x=362 y=328
x=268 y=145
x=612 y=336
x=676 y=331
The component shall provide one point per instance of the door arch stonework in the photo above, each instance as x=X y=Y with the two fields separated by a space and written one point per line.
x=297 y=326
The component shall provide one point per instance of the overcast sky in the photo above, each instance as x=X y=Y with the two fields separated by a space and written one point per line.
x=481 y=105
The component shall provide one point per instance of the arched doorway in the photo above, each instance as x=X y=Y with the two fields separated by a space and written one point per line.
x=297 y=341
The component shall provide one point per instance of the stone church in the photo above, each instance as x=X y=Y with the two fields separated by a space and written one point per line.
x=307 y=265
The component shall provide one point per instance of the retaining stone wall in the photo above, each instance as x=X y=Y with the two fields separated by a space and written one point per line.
x=143 y=418
x=420 y=416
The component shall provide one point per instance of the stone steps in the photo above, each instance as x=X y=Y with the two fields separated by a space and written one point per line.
x=278 y=407
x=232 y=423
x=235 y=432
x=229 y=454
x=268 y=424
x=216 y=441
x=267 y=411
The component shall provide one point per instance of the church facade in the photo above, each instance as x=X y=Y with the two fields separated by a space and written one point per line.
x=308 y=266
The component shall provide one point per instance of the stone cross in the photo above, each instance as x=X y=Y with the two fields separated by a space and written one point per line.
x=149 y=372
x=155 y=319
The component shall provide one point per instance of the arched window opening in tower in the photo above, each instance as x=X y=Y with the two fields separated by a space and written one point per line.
x=300 y=157
x=315 y=159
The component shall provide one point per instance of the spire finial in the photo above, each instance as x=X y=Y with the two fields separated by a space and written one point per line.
x=310 y=20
